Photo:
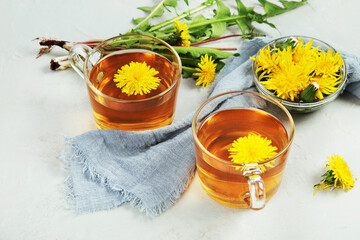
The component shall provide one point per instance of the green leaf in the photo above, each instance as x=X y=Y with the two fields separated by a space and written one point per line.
x=171 y=3
x=197 y=20
x=160 y=34
x=146 y=9
x=241 y=7
x=284 y=45
x=259 y=18
x=219 y=65
x=155 y=11
x=137 y=20
x=200 y=36
x=183 y=15
x=289 y=5
x=187 y=2
x=189 y=61
x=188 y=72
x=188 y=18
x=219 y=28
x=243 y=23
x=194 y=27
x=272 y=9
x=197 y=52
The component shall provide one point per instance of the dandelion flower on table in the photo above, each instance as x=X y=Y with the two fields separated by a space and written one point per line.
x=252 y=149
x=183 y=30
x=136 y=78
x=206 y=71
x=337 y=176
x=341 y=172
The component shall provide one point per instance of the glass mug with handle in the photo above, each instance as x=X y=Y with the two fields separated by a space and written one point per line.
x=225 y=118
x=114 y=108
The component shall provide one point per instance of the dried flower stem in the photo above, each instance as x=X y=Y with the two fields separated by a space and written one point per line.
x=215 y=39
x=51 y=42
x=60 y=63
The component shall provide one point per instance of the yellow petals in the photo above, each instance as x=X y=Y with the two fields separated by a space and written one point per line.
x=266 y=61
x=287 y=72
x=328 y=64
x=287 y=79
x=183 y=29
x=327 y=85
x=305 y=54
x=340 y=171
x=337 y=176
x=136 y=78
x=206 y=71
x=252 y=149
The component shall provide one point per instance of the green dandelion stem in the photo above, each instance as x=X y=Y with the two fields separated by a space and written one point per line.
x=189 y=69
x=208 y=22
x=144 y=21
x=183 y=15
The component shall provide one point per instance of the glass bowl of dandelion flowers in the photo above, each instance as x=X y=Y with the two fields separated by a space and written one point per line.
x=302 y=73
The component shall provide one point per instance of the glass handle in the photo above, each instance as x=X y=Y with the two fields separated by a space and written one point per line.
x=77 y=56
x=256 y=196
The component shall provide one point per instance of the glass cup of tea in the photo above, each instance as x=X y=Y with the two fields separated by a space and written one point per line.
x=225 y=118
x=132 y=54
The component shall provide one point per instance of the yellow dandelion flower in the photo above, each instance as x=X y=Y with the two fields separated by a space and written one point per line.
x=136 y=78
x=252 y=149
x=327 y=85
x=287 y=69
x=329 y=64
x=206 y=71
x=341 y=172
x=287 y=79
x=338 y=175
x=183 y=29
x=266 y=61
x=305 y=54
x=327 y=73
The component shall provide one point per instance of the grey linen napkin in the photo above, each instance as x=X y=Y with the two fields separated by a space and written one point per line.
x=151 y=169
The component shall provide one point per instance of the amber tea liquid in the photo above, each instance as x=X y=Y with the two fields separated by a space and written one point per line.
x=222 y=181
x=136 y=112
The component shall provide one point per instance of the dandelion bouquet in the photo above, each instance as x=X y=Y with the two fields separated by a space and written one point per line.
x=186 y=31
x=298 y=71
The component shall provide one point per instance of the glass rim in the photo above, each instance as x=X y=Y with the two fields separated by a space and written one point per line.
x=177 y=78
x=197 y=141
x=300 y=104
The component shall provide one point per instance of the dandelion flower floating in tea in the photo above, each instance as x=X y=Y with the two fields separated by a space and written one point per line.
x=338 y=175
x=183 y=31
x=252 y=149
x=290 y=67
x=136 y=78
x=206 y=71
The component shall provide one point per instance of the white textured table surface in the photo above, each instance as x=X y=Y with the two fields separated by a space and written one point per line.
x=38 y=106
